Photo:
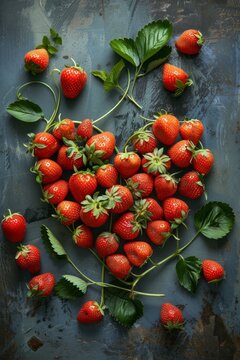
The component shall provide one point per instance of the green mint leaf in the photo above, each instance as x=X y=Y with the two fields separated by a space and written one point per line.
x=152 y=38
x=214 y=220
x=45 y=41
x=70 y=287
x=55 y=36
x=25 y=110
x=158 y=59
x=112 y=79
x=51 y=243
x=51 y=50
x=188 y=272
x=126 y=48
x=101 y=74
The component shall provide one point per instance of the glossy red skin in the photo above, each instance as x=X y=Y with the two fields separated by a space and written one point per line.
x=51 y=171
x=172 y=208
x=81 y=185
x=106 y=244
x=50 y=142
x=126 y=199
x=127 y=167
x=72 y=81
x=170 y=314
x=107 y=176
x=164 y=188
x=39 y=57
x=90 y=220
x=180 y=155
x=212 y=270
x=166 y=129
x=83 y=237
x=155 y=208
x=192 y=130
x=118 y=265
x=145 y=183
x=85 y=129
x=67 y=163
x=187 y=44
x=90 y=313
x=145 y=146
x=138 y=252
x=168 y=165
x=70 y=210
x=44 y=282
x=203 y=164
x=123 y=227
x=105 y=141
x=189 y=187
x=172 y=73
x=155 y=229
x=14 y=228
x=58 y=189
x=30 y=261
x=64 y=128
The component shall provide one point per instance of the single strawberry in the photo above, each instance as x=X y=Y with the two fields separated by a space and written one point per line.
x=100 y=146
x=42 y=145
x=14 y=226
x=107 y=176
x=94 y=213
x=28 y=258
x=36 y=61
x=148 y=209
x=140 y=185
x=165 y=186
x=158 y=231
x=144 y=141
x=118 y=265
x=119 y=199
x=191 y=185
x=68 y=212
x=106 y=244
x=64 y=128
x=90 y=313
x=70 y=156
x=175 y=210
x=82 y=183
x=190 y=42
x=212 y=271
x=127 y=163
x=166 y=128
x=156 y=163
x=83 y=237
x=55 y=192
x=181 y=153
x=171 y=317
x=85 y=129
x=138 y=252
x=73 y=80
x=175 y=79
x=192 y=130
x=203 y=160
x=127 y=227
x=47 y=171
x=41 y=285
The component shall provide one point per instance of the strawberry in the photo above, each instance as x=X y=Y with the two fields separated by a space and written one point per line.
x=127 y=227
x=42 y=145
x=203 y=161
x=127 y=163
x=106 y=244
x=190 y=42
x=56 y=192
x=165 y=186
x=119 y=199
x=93 y=212
x=192 y=130
x=107 y=175
x=212 y=271
x=166 y=128
x=101 y=146
x=144 y=142
x=138 y=252
x=140 y=185
x=73 y=79
x=175 y=79
x=83 y=237
x=156 y=163
x=118 y=265
x=28 y=258
x=148 y=209
x=191 y=185
x=158 y=231
x=171 y=317
x=85 y=129
x=175 y=210
x=90 y=313
x=69 y=157
x=82 y=183
x=14 y=226
x=41 y=285
x=68 y=212
x=181 y=153
x=64 y=128
x=47 y=171
x=36 y=61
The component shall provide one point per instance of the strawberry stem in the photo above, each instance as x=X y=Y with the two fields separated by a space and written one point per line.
x=130 y=98
x=102 y=289
x=135 y=134
x=57 y=103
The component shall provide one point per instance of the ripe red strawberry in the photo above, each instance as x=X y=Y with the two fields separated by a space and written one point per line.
x=156 y=163
x=119 y=199
x=192 y=130
x=42 y=145
x=203 y=161
x=73 y=79
x=36 y=61
x=64 y=128
x=212 y=271
x=107 y=176
x=127 y=227
x=191 y=185
x=69 y=157
x=68 y=212
x=106 y=244
x=181 y=153
x=144 y=142
x=158 y=231
x=41 y=285
x=82 y=183
x=166 y=128
x=171 y=317
x=90 y=313
x=14 y=226
x=83 y=237
x=140 y=185
x=165 y=186
x=101 y=146
x=56 y=192
x=47 y=171
x=148 y=209
x=175 y=79
x=118 y=265
x=175 y=209
x=190 y=42
x=138 y=252
x=93 y=212
x=85 y=129
x=28 y=258
x=127 y=163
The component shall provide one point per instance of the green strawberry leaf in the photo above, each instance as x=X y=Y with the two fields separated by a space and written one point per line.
x=101 y=74
x=188 y=272
x=112 y=79
x=159 y=58
x=25 y=110
x=70 y=287
x=53 y=246
x=214 y=220
x=126 y=48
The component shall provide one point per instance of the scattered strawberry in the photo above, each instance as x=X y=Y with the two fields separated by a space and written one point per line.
x=156 y=163
x=28 y=258
x=127 y=163
x=90 y=313
x=106 y=244
x=166 y=128
x=175 y=209
x=107 y=176
x=165 y=186
x=83 y=237
x=140 y=185
x=41 y=285
x=55 y=192
x=158 y=231
x=203 y=161
x=69 y=157
x=93 y=212
x=82 y=183
x=47 y=171
x=101 y=146
x=42 y=145
x=73 y=79
x=64 y=128
x=144 y=142
x=36 y=61
x=119 y=199
x=171 y=317
x=14 y=226
x=68 y=212
x=85 y=129
x=138 y=252
x=181 y=153
x=175 y=79
x=212 y=271
x=192 y=130
x=190 y=42
x=148 y=209
x=127 y=227
x=191 y=185
x=118 y=265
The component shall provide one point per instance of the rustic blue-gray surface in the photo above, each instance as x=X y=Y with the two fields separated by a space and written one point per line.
x=32 y=330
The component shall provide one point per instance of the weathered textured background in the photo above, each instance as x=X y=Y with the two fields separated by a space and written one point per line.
x=49 y=327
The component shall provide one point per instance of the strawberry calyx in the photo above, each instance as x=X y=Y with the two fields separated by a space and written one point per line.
x=178 y=221
x=96 y=204
x=140 y=209
x=74 y=150
x=142 y=137
x=22 y=250
x=32 y=67
x=133 y=187
x=181 y=86
x=107 y=235
x=74 y=66
x=200 y=38
x=34 y=291
x=171 y=178
x=35 y=170
x=203 y=152
x=171 y=325
x=31 y=145
x=9 y=215
x=156 y=161
x=94 y=156
x=50 y=47
x=125 y=155
x=46 y=196
x=60 y=217
x=111 y=197
x=161 y=113
x=78 y=231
